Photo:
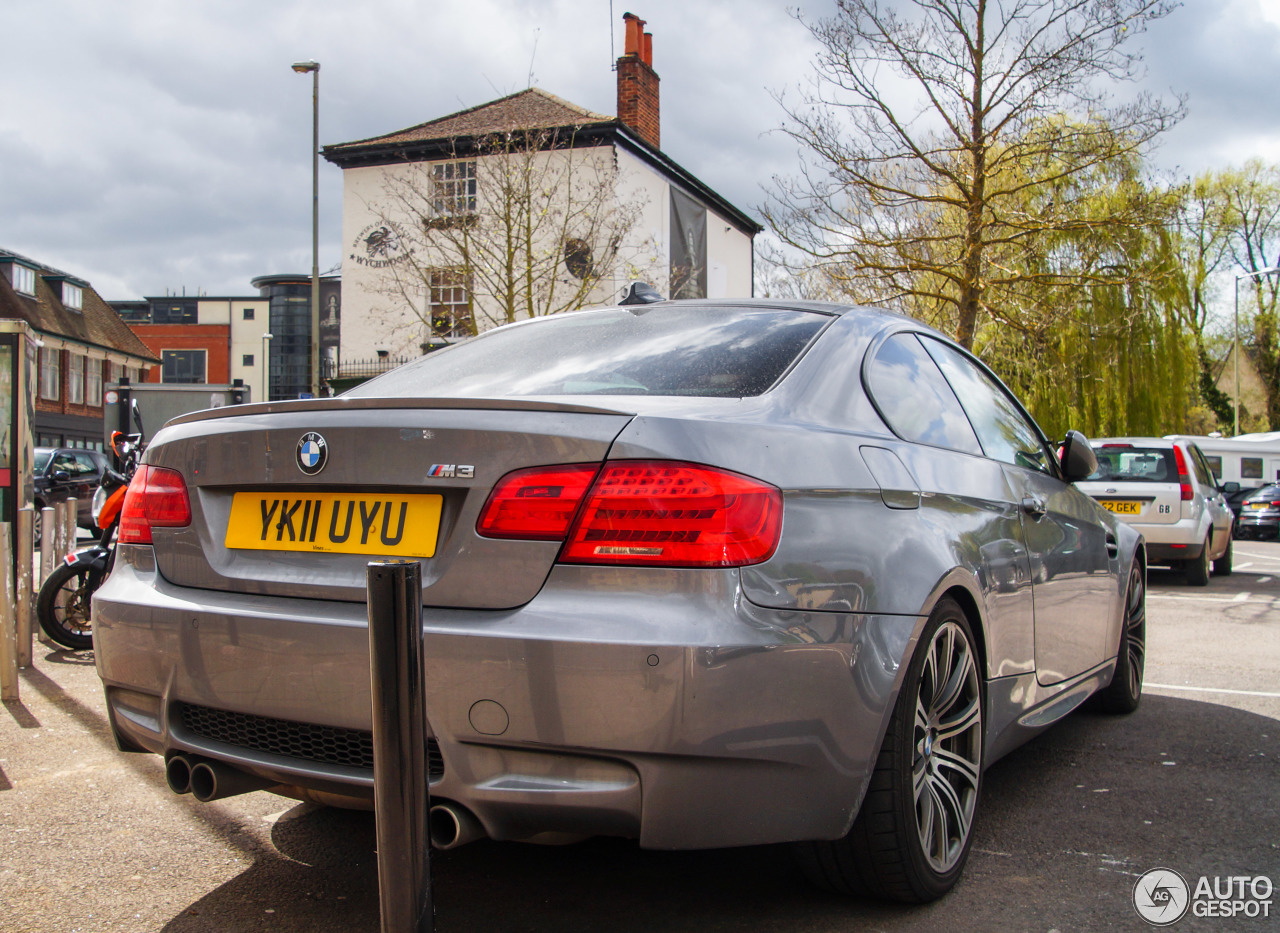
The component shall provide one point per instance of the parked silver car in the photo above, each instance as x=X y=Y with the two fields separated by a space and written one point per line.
x=704 y=574
x=1167 y=490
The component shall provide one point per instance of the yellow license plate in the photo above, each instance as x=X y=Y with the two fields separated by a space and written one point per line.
x=1121 y=507
x=334 y=522
x=1257 y=505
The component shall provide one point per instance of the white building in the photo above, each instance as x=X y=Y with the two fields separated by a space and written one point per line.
x=401 y=289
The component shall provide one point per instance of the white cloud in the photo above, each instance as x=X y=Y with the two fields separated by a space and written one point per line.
x=149 y=145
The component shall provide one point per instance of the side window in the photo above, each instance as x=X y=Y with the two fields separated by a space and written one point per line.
x=915 y=400
x=1203 y=473
x=1004 y=431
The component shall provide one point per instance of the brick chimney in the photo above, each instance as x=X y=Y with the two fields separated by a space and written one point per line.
x=638 y=82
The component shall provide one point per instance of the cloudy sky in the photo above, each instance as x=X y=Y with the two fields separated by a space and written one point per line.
x=152 y=146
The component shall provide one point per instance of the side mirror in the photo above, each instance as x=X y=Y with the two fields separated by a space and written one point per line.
x=1229 y=488
x=1077 y=457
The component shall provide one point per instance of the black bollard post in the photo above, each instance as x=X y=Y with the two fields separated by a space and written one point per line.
x=401 y=795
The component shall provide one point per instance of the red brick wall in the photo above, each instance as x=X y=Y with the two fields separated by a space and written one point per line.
x=215 y=339
x=638 y=98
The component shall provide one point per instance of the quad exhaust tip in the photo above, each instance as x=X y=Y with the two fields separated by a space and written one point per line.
x=208 y=780
x=177 y=773
x=452 y=826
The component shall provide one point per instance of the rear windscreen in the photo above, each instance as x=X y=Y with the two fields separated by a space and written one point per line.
x=717 y=352
x=1136 y=464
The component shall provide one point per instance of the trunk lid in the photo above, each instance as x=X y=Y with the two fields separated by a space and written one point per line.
x=392 y=477
x=1138 y=483
x=1145 y=503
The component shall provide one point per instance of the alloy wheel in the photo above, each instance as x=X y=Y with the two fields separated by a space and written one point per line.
x=947 y=747
x=1135 y=630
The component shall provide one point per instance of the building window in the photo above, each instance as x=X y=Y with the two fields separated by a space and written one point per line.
x=248 y=314
x=72 y=296
x=169 y=311
x=75 y=378
x=450 y=304
x=50 y=374
x=93 y=383
x=453 y=189
x=182 y=366
x=24 y=279
x=246 y=360
x=1251 y=468
x=688 y=247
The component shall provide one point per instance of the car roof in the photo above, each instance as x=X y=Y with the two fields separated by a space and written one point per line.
x=871 y=314
x=1158 y=442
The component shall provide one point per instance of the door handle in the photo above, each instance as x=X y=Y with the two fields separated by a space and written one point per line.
x=1113 y=549
x=1034 y=506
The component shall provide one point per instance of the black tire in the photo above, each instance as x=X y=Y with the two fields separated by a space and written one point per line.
x=1222 y=566
x=1125 y=691
x=906 y=845
x=63 y=606
x=1197 y=570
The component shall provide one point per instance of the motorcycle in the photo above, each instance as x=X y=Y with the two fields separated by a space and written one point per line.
x=64 y=604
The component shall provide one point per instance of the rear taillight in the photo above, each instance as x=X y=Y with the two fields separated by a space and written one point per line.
x=157 y=497
x=647 y=512
x=1184 y=478
x=536 y=504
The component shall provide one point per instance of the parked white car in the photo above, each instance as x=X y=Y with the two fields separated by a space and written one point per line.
x=1166 y=490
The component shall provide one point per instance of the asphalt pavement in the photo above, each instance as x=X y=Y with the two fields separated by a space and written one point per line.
x=92 y=840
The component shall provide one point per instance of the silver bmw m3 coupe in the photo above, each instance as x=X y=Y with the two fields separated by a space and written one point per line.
x=703 y=574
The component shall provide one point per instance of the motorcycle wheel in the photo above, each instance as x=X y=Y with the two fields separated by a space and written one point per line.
x=63 y=606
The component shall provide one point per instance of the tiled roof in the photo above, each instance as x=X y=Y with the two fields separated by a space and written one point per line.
x=533 y=109
x=96 y=324
x=527 y=110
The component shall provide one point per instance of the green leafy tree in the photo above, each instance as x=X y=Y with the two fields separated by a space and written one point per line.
x=1113 y=355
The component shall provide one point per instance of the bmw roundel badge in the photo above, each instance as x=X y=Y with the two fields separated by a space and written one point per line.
x=312 y=453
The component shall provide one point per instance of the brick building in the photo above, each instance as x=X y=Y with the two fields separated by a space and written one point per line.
x=82 y=344
x=263 y=339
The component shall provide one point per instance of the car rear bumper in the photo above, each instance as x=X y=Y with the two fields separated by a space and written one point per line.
x=685 y=716
x=1260 y=524
x=1180 y=540
x=1166 y=554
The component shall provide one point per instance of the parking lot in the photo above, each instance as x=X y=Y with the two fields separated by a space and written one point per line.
x=91 y=839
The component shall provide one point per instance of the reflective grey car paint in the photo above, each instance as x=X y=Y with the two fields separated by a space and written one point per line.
x=682 y=707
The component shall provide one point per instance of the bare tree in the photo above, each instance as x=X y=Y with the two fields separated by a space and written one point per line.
x=513 y=225
x=1251 y=196
x=935 y=135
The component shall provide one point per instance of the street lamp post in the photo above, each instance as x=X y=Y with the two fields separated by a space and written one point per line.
x=314 y=68
x=266 y=366
x=1236 y=400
